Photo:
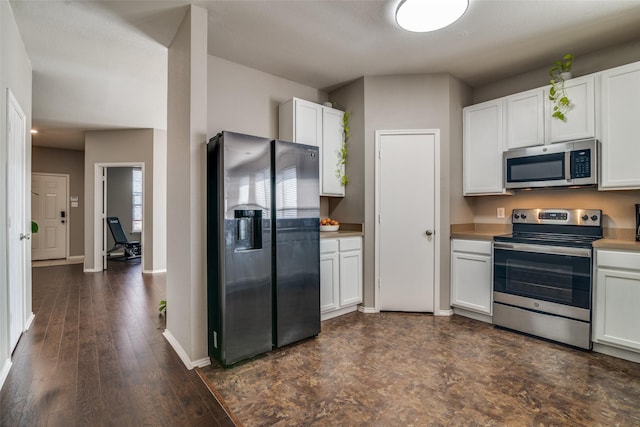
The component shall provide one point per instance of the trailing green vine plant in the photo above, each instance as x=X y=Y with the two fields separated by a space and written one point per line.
x=559 y=72
x=342 y=154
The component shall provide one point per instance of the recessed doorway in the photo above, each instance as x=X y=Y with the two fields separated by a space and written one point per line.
x=119 y=193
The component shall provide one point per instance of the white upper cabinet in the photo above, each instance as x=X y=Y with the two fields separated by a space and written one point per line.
x=332 y=136
x=619 y=127
x=525 y=119
x=313 y=124
x=301 y=121
x=482 y=148
x=580 y=121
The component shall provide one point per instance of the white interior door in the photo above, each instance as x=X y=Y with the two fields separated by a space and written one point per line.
x=49 y=211
x=18 y=232
x=406 y=207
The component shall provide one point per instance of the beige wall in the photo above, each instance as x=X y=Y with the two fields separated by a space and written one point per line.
x=405 y=102
x=351 y=208
x=113 y=148
x=245 y=100
x=69 y=162
x=583 y=64
x=186 y=175
x=617 y=205
x=159 y=204
x=15 y=73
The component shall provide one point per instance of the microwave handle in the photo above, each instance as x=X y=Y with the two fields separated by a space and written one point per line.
x=567 y=166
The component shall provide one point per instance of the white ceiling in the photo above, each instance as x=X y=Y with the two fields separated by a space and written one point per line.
x=103 y=64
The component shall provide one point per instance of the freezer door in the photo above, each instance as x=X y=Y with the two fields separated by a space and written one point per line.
x=240 y=247
x=247 y=174
x=297 y=242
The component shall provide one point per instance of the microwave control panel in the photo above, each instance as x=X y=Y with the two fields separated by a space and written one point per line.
x=581 y=163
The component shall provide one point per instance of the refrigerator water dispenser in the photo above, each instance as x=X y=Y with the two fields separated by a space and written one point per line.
x=248 y=229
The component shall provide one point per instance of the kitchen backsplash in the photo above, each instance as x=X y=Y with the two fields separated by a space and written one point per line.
x=617 y=206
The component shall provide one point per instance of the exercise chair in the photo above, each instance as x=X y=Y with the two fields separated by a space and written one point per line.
x=132 y=249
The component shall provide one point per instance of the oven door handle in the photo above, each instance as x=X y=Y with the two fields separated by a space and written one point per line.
x=543 y=249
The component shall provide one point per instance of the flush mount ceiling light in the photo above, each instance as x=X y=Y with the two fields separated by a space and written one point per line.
x=429 y=15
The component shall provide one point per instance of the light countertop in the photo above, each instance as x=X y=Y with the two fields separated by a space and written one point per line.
x=346 y=230
x=618 y=238
x=479 y=231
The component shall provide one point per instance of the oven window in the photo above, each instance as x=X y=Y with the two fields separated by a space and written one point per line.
x=556 y=278
x=548 y=282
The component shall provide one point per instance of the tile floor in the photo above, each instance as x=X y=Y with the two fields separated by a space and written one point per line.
x=396 y=369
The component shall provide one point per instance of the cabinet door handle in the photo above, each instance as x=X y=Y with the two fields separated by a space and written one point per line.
x=429 y=233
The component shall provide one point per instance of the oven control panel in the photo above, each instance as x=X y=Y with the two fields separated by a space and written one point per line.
x=583 y=217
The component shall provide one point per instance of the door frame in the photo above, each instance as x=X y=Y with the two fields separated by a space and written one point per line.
x=437 y=202
x=99 y=220
x=66 y=203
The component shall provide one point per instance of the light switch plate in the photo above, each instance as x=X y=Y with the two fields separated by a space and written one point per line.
x=500 y=213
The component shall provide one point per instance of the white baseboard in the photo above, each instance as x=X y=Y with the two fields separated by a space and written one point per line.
x=201 y=363
x=339 y=312
x=90 y=270
x=29 y=321
x=367 y=310
x=448 y=312
x=473 y=315
x=76 y=259
x=617 y=352
x=162 y=270
x=182 y=354
x=4 y=372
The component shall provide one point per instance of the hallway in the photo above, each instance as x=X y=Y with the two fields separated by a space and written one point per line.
x=95 y=355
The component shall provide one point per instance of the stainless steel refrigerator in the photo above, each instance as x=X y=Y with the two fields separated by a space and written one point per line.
x=263 y=281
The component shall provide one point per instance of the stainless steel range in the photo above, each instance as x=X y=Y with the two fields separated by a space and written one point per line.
x=542 y=274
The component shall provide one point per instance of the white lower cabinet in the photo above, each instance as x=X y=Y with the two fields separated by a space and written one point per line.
x=616 y=317
x=340 y=276
x=471 y=277
x=329 y=275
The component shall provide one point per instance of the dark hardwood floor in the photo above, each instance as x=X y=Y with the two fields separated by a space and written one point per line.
x=94 y=355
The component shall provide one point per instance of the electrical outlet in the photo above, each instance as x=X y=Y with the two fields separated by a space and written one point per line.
x=500 y=213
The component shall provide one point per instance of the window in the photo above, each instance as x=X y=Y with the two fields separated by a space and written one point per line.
x=136 y=194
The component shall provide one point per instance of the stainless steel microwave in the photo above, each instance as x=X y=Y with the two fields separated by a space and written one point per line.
x=566 y=164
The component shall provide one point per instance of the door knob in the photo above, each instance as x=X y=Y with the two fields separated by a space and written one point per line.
x=25 y=236
x=429 y=233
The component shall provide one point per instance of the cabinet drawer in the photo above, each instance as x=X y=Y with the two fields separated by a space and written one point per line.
x=472 y=246
x=618 y=259
x=328 y=246
x=350 y=244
